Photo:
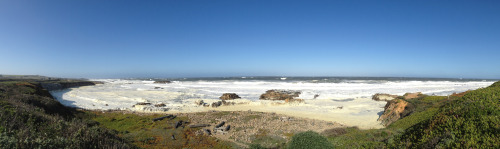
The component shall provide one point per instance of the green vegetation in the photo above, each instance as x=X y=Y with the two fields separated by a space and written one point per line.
x=309 y=140
x=266 y=140
x=466 y=120
x=143 y=132
x=469 y=122
x=31 y=118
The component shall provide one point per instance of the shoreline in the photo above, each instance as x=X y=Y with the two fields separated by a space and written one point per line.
x=344 y=118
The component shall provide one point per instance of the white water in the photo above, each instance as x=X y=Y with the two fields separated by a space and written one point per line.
x=354 y=96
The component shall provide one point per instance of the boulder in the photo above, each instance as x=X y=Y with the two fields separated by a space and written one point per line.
x=393 y=110
x=220 y=124
x=207 y=132
x=216 y=104
x=384 y=97
x=412 y=95
x=199 y=102
x=229 y=96
x=279 y=95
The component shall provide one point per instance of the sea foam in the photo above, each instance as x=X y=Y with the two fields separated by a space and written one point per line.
x=347 y=99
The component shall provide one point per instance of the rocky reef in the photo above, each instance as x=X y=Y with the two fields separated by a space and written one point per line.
x=279 y=95
x=396 y=107
x=163 y=82
x=229 y=96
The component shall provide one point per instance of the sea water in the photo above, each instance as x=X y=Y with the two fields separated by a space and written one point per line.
x=346 y=97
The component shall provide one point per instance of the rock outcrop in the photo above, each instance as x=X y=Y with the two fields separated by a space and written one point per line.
x=280 y=95
x=412 y=95
x=384 y=97
x=229 y=96
x=394 y=110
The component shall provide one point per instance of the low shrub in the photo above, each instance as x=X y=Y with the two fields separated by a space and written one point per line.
x=309 y=140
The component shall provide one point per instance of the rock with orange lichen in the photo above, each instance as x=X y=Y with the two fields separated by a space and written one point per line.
x=393 y=111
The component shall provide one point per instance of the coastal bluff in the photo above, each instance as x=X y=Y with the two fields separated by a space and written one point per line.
x=50 y=86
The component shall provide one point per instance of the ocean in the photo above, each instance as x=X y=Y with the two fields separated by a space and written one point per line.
x=352 y=94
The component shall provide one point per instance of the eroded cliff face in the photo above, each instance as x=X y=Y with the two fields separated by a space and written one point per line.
x=65 y=85
x=393 y=111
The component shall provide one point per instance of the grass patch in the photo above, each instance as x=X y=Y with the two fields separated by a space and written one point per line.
x=143 y=132
x=250 y=117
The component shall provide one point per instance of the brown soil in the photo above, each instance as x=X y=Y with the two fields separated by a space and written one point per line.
x=249 y=127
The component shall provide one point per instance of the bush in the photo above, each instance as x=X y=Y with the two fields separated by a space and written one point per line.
x=31 y=118
x=469 y=122
x=309 y=140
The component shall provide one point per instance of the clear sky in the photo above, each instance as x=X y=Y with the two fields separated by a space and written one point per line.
x=205 y=38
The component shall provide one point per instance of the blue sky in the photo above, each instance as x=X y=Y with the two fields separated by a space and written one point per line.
x=185 y=38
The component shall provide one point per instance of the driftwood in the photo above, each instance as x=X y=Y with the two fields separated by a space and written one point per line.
x=164 y=117
x=220 y=124
x=199 y=125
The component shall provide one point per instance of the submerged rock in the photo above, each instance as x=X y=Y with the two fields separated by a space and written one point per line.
x=229 y=96
x=163 y=82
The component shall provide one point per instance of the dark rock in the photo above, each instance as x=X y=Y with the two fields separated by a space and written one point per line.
x=216 y=104
x=316 y=96
x=279 y=95
x=163 y=82
x=158 y=88
x=160 y=105
x=179 y=124
x=384 y=97
x=173 y=137
x=198 y=125
x=199 y=102
x=224 y=102
x=171 y=118
x=161 y=118
x=229 y=96
x=220 y=124
x=207 y=131
x=143 y=103
x=227 y=128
